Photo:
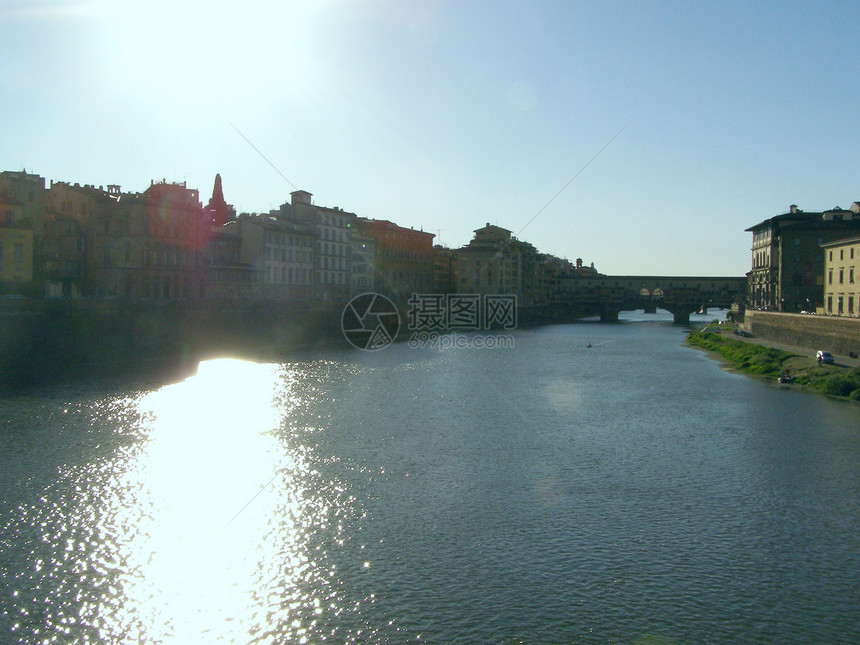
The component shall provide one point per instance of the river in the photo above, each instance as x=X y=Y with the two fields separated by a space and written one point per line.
x=592 y=484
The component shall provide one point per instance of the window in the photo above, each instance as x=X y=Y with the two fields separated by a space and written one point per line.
x=830 y=304
x=830 y=277
x=797 y=241
x=18 y=254
x=851 y=275
x=840 y=275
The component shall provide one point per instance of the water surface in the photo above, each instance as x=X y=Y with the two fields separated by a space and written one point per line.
x=630 y=491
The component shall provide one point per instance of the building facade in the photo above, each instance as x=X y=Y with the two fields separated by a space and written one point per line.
x=135 y=245
x=363 y=270
x=22 y=222
x=227 y=276
x=65 y=256
x=404 y=258
x=444 y=270
x=16 y=258
x=28 y=190
x=490 y=263
x=332 y=228
x=281 y=251
x=841 y=279
x=787 y=272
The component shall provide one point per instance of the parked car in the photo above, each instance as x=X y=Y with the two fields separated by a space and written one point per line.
x=824 y=357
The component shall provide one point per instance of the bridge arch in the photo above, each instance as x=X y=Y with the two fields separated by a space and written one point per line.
x=679 y=295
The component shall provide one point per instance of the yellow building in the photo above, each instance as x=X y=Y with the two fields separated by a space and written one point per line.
x=28 y=190
x=16 y=255
x=22 y=209
x=841 y=280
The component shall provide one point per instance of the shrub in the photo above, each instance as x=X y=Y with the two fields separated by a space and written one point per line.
x=839 y=385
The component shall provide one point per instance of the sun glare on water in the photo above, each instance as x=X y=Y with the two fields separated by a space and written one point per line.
x=196 y=541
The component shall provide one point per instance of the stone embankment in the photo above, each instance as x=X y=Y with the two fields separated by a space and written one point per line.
x=43 y=340
x=839 y=335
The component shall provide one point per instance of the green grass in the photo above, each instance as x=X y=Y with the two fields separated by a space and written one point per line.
x=755 y=359
x=768 y=362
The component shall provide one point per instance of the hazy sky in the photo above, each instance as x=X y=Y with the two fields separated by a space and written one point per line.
x=448 y=115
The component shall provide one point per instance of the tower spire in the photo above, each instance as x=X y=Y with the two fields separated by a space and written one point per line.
x=220 y=212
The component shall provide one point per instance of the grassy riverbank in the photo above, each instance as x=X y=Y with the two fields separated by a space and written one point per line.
x=769 y=363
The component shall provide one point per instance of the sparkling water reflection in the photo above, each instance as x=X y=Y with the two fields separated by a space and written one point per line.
x=595 y=484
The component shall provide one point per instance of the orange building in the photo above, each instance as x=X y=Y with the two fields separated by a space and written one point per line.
x=404 y=258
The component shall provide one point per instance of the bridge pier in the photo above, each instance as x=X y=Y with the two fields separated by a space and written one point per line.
x=650 y=309
x=608 y=314
x=682 y=316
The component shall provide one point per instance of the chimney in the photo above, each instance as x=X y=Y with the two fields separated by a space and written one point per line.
x=792 y=208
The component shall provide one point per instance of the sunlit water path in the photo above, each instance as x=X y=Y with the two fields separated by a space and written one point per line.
x=630 y=491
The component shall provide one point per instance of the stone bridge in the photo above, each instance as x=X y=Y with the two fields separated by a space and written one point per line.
x=682 y=296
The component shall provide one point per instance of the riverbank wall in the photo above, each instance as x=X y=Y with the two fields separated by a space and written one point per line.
x=44 y=340
x=839 y=335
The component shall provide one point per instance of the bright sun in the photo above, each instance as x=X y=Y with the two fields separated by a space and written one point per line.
x=209 y=52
